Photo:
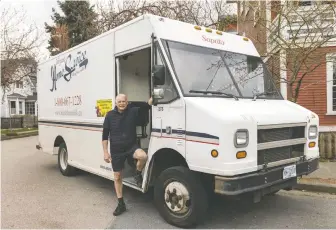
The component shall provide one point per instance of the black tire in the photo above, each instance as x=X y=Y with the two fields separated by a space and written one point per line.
x=198 y=197
x=66 y=170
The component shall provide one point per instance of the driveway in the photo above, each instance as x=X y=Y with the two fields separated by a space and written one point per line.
x=34 y=194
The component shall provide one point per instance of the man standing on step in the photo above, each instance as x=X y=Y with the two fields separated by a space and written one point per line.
x=120 y=125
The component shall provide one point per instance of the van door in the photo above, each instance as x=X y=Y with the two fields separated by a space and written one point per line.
x=168 y=113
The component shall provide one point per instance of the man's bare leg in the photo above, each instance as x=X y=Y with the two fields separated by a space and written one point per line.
x=118 y=184
x=141 y=158
x=118 y=188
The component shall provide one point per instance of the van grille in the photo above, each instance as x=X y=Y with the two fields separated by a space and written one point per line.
x=279 y=134
x=282 y=153
x=266 y=156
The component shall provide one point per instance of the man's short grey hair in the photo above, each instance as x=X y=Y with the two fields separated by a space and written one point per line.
x=120 y=95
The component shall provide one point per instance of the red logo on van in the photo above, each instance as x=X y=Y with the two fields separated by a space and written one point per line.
x=212 y=41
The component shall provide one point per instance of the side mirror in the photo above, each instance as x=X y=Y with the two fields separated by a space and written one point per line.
x=159 y=75
x=158 y=93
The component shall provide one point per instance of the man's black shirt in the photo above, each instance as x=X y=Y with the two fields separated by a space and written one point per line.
x=122 y=129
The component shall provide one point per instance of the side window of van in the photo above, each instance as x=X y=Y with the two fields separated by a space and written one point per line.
x=170 y=92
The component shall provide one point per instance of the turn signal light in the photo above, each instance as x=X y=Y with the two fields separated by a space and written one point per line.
x=214 y=153
x=197 y=27
x=245 y=39
x=241 y=154
x=208 y=30
x=219 y=32
x=312 y=144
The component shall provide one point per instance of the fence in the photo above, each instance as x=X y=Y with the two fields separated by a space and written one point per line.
x=19 y=122
x=11 y=122
x=327 y=145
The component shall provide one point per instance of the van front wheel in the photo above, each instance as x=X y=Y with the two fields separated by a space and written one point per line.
x=180 y=197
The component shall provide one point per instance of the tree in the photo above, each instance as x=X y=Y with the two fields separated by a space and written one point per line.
x=76 y=25
x=20 y=44
x=204 y=13
x=295 y=36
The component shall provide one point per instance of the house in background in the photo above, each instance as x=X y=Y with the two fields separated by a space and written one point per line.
x=318 y=89
x=20 y=98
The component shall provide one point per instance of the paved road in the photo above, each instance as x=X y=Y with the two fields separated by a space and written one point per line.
x=35 y=195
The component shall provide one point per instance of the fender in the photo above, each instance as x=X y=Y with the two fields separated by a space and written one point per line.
x=176 y=159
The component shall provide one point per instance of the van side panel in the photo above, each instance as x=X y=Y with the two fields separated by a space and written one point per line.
x=69 y=87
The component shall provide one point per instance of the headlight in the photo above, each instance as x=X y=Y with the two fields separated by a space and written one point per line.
x=241 y=138
x=312 y=132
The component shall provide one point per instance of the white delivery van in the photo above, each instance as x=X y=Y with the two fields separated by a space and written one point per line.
x=218 y=123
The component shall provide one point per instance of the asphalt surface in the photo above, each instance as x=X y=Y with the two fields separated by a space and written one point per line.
x=34 y=194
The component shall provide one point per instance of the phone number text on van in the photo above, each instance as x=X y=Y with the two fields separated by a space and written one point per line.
x=68 y=101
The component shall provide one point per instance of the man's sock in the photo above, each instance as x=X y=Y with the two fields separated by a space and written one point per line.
x=121 y=201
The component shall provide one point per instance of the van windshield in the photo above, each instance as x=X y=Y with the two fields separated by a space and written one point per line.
x=202 y=70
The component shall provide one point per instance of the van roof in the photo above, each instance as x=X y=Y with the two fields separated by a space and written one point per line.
x=175 y=30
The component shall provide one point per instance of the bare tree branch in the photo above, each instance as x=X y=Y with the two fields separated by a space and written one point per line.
x=19 y=48
x=300 y=32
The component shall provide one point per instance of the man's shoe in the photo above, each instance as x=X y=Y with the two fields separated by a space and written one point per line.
x=120 y=209
x=138 y=178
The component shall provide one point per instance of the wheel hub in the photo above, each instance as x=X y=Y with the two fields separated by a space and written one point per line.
x=177 y=197
x=64 y=159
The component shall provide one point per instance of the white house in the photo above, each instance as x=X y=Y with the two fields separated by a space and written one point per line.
x=20 y=98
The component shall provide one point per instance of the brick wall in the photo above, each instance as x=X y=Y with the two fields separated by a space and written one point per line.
x=256 y=33
x=273 y=65
x=313 y=91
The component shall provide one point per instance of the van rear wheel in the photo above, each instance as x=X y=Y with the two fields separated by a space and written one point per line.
x=63 y=165
x=180 y=197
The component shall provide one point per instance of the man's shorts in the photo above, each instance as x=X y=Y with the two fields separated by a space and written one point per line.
x=118 y=159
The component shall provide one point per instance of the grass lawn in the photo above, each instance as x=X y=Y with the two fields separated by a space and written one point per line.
x=6 y=131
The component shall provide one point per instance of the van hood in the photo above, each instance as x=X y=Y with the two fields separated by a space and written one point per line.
x=263 y=112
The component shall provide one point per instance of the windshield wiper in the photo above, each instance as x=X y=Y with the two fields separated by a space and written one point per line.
x=214 y=92
x=255 y=96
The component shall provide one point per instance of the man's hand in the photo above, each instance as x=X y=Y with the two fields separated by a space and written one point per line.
x=107 y=157
x=150 y=101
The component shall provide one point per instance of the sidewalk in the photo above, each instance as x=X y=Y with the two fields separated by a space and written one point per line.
x=322 y=180
x=20 y=135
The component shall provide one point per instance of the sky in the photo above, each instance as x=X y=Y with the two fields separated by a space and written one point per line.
x=38 y=12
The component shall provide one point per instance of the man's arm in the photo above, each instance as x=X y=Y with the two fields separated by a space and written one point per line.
x=105 y=139
x=106 y=132
x=150 y=102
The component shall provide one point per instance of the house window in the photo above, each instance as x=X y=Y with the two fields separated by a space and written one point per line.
x=13 y=107
x=20 y=107
x=19 y=84
x=305 y=3
x=30 y=108
x=331 y=86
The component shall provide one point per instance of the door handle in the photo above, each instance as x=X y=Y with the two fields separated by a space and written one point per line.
x=168 y=130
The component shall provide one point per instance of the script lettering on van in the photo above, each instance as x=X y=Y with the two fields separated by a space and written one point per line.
x=68 y=67
x=212 y=41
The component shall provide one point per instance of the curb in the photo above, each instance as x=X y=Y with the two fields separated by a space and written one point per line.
x=4 y=137
x=316 y=187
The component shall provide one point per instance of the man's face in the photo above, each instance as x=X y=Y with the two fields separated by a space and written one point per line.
x=122 y=103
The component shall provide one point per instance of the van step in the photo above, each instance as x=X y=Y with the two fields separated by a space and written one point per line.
x=130 y=180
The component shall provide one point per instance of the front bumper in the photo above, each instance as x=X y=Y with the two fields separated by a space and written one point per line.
x=271 y=179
